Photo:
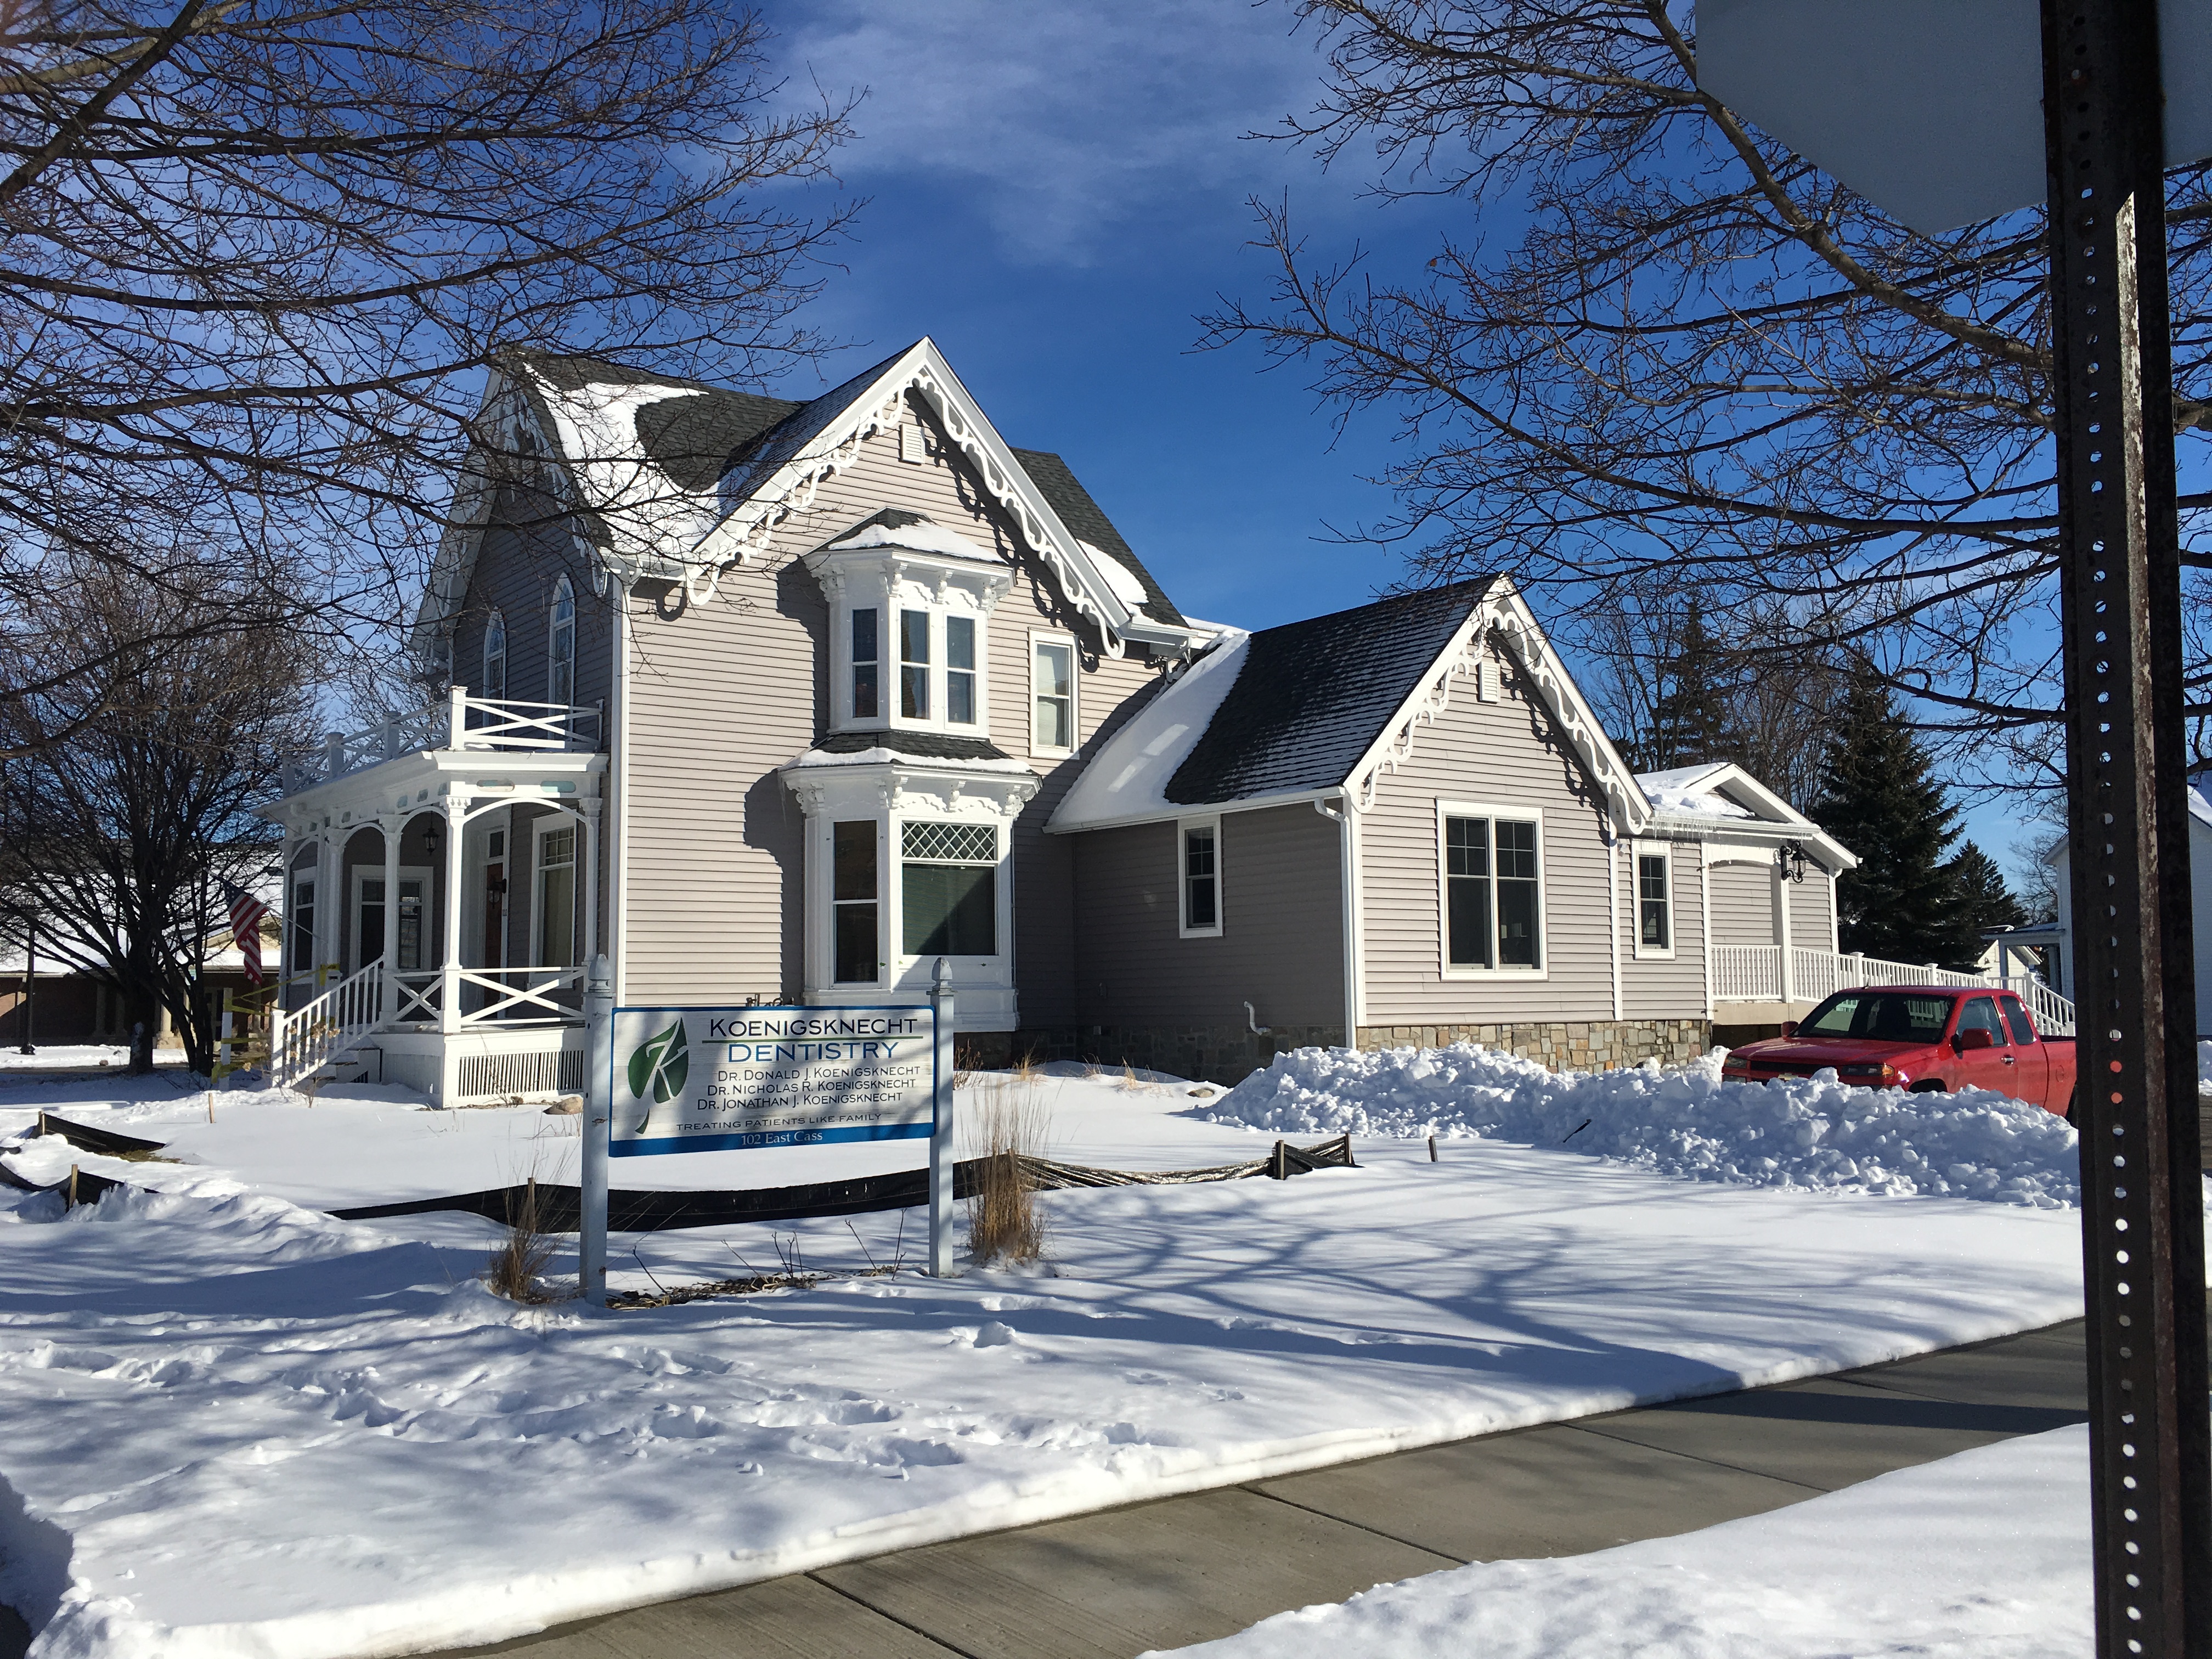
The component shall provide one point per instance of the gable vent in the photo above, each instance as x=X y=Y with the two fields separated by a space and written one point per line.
x=914 y=443
x=1486 y=681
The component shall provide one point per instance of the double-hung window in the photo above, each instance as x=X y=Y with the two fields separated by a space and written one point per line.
x=866 y=667
x=1655 y=906
x=852 y=902
x=561 y=645
x=948 y=889
x=1052 y=687
x=960 y=671
x=1199 y=877
x=914 y=665
x=556 y=897
x=494 y=657
x=1492 y=908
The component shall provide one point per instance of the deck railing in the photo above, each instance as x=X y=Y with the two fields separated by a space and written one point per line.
x=509 y=996
x=1753 y=973
x=456 y=720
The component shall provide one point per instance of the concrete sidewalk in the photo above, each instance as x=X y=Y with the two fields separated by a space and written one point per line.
x=1110 y=1585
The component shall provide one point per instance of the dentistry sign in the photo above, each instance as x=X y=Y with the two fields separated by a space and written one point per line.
x=715 y=1079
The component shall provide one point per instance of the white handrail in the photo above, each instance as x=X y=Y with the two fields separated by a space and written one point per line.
x=445 y=725
x=417 y=992
x=301 y=1041
x=1753 y=973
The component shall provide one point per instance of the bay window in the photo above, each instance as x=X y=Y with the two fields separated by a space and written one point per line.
x=852 y=896
x=1491 y=909
x=864 y=666
x=914 y=665
x=960 y=671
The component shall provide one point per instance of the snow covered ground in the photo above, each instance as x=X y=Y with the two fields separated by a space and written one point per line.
x=59 y=1056
x=1985 y=1553
x=238 y=1426
x=1793 y=1133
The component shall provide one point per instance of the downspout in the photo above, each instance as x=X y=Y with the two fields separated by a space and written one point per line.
x=616 y=946
x=1613 y=910
x=1350 y=865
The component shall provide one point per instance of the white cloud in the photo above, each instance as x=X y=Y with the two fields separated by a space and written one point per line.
x=1062 y=121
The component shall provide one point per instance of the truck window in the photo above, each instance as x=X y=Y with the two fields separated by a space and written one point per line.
x=1883 y=1017
x=2023 y=1030
x=1980 y=1014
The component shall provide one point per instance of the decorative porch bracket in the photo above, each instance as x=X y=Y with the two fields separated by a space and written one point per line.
x=2128 y=827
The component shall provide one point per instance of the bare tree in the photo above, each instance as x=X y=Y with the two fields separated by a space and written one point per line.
x=256 y=254
x=122 y=837
x=1665 y=349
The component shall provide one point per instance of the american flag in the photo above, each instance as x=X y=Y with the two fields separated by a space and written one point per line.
x=245 y=913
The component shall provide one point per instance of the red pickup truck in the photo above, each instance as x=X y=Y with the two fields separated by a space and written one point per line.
x=1920 y=1038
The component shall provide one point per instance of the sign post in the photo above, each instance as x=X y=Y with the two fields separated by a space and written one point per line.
x=598 y=1118
x=2125 y=89
x=942 y=1150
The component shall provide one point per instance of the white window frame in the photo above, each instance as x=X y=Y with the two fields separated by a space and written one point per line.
x=891 y=664
x=495 y=630
x=1183 y=929
x=892 y=842
x=551 y=823
x=1493 y=811
x=563 y=590
x=1639 y=851
x=1051 y=636
x=365 y=873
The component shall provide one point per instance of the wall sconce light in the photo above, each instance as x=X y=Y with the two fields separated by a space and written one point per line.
x=1794 y=862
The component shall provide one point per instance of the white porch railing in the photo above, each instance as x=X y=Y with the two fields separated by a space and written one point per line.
x=512 y=996
x=457 y=721
x=1753 y=973
x=303 y=1041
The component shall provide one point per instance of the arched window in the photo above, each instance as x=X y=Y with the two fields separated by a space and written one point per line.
x=560 y=649
x=493 y=683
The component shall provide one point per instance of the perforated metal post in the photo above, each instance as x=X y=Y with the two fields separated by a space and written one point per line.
x=2135 y=1101
x=942 y=1146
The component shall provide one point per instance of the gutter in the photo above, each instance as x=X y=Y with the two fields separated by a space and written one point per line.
x=1200 y=809
x=1348 y=827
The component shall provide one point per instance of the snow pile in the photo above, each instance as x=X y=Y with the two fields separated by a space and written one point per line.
x=1986 y=1552
x=1794 y=1132
x=2204 y=1068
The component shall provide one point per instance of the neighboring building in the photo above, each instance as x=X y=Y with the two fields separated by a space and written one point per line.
x=71 y=1007
x=2200 y=882
x=812 y=695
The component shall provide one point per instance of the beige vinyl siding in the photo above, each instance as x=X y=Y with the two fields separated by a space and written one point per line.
x=1657 y=987
x=1281 y=943
x=1504 y=755
x=1810 y=919
x=1743 y=902
x=725 y=692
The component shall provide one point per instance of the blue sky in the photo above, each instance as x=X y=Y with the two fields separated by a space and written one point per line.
x=1055 y=194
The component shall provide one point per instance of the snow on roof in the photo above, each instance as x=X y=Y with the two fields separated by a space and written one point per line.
x=1126 y=778
x=2200 y=805
x=923 y=535
x=1678 y=791
x=880 y=756
x=1118 y=576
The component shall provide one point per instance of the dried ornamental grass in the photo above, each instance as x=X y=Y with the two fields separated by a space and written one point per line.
x=519 y=1260
x=1004 y=1222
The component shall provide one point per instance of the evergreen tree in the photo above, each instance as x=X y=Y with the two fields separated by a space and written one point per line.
x=1690 y=724
x=1982 y=902
x=1879 y=797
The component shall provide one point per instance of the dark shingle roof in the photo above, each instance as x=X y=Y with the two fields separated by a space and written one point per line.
x=1068 y=498
x=922 y=745
x=701 y=439
x=1313 y=696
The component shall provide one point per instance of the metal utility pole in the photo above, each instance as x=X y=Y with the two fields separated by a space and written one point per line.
x=2128 y=830
x=30 y=978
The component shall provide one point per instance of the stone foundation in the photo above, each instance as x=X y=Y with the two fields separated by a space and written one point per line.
x=1579 y=1045
x=1230 y=1053
x=1209 y=1054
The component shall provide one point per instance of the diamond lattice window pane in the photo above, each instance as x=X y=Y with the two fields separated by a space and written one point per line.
x=949 y=843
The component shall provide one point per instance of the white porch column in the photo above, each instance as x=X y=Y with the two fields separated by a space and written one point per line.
x=393 y=824
x=1782 y=929
x=456 y=809
x=589 y=811
x=329 y=872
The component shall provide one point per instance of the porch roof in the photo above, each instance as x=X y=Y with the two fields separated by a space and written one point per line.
x=417 y=781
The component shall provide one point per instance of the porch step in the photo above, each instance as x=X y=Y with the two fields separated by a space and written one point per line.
x=355 y=1065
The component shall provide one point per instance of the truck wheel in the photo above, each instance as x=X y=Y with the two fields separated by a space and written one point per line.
x=1932 y=1085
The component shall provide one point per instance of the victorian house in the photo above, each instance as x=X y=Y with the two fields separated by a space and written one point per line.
x=774 y=702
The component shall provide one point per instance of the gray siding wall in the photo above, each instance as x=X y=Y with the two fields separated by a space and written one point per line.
x=1505 y=755
x=1809 y=915
x=723 y=693
x=523 y=553
x=1743 y=903
x=1658 y=987
x=1282 y=916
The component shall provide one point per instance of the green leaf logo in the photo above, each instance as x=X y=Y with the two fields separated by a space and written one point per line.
x=658 y=1067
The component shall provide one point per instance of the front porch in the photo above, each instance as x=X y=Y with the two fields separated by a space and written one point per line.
x=442 y=881
x=1756 y=985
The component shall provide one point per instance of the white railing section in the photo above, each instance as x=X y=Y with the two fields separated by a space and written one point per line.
x=457 y=721
x=303 y=1041
x=1753 y=973
x=508 y=996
